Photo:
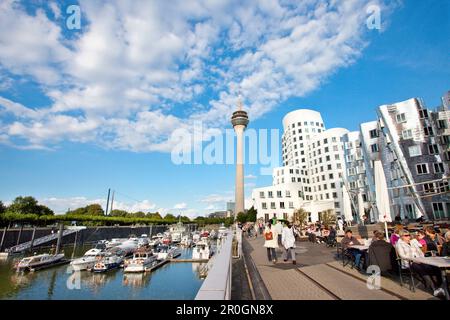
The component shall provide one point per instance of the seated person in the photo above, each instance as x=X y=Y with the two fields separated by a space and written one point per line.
x=446 y=245
x=432 y=240
x=408 y=248
x=348 y=241
x=395 y=236
x=420 y=237
x=381 y=253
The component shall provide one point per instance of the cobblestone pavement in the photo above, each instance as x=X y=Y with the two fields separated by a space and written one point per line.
x=319 y=276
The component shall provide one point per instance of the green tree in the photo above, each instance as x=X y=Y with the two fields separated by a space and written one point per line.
x=329 y=218
x=28 y=205
x=2 y=208
x=155 y=215
x=242 y=217
x=94 y=210
x=139 y=214
x=251 y=214
x=169 y=216
x=300 y=218
x=118 y=213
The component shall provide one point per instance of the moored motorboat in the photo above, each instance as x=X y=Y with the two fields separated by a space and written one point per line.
x=143 y=241
x=165 y=252
x=142 y=259
x=88 y=260
x=201 y=251
x=107 y=262
x=156 y=240
x=39 y=261
x=186 y=241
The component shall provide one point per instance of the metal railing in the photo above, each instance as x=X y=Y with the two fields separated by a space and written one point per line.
x=217 y=285
x=26 y=245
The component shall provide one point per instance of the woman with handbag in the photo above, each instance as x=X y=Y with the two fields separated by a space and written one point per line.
x=288 y=241
x=271 y=236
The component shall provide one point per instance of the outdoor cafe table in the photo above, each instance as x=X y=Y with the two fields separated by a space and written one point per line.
x=363 y=249
x=442 y=263
x=359 y=247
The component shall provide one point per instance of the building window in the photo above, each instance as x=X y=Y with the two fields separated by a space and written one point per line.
x=428 y=188
x=336 y=205
x=438 y=210
x=281 y=205
x=291 y=205
x=374 y=147
x=261 y=195
x=407 y=134
x=422 y=168
x=279 y=194
x=272 y=205
x=433 y=149
x=414 y=151
x=288 y=194
x=428 y=131
x=270 y=194
x=373 y=134
x=335 y=195
x=401 y=117
x=423 y=113
x=266 y=217
x=264 y=205
x=438 y=167
x=351 y=171
x=409 y=208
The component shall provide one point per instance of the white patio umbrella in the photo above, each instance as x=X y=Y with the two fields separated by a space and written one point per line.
x=382 y=196
x=347 y=206
x=361 y=207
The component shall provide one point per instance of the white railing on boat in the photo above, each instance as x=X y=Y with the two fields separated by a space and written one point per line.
x=217 y=285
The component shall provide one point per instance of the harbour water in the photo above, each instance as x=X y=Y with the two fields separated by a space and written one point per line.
x=179 y=281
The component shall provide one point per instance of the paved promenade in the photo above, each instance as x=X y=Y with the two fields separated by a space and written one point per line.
x=319 y=276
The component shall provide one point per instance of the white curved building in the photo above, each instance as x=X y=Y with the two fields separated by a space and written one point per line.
x=313 y=159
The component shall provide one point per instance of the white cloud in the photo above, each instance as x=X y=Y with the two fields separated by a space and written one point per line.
x=134 y=63
x=250 y=176
x=61 y=205
x=180 y=206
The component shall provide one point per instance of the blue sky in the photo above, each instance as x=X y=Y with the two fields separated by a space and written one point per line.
x=85 y=110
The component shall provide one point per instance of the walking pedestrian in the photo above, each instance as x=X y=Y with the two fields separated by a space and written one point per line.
x=288 y=240
x=279 y=230
x=271 y=236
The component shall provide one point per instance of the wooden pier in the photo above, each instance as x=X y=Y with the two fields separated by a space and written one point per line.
x=156 y=266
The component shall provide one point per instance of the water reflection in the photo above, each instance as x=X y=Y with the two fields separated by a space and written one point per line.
x=136 y=280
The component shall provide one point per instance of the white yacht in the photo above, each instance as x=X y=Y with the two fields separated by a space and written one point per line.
x=107 y=262
x=38 y=261
x=195 y=236
x=167 y=252
x=177 y=231
x=155 y=240
x=114 y=242
x=201 y=251
x=222 y=231
x=186 y=241
x=88 y=260
x=143 y=240
x=142 y=259
x=128 y=246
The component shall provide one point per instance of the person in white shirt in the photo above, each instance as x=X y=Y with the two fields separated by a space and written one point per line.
x=288 y=241
x=340 y=224
x=279 y=230
x=271 y=236
x=408 y=248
